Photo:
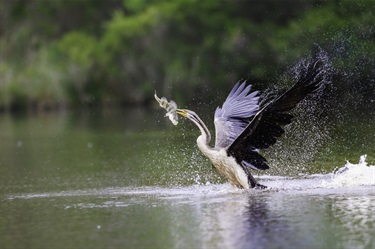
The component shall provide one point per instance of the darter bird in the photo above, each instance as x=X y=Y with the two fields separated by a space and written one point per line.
x=243 y=126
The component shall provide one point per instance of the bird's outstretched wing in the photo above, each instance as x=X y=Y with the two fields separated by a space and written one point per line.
x=237 y=110
x=266 y=126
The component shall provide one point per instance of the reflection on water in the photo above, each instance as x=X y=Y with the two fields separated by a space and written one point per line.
x=130 y=180
x=356 y=214
x=212 y=216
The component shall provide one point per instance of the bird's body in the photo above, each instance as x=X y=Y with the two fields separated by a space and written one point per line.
x=243 y=127
x=224 y=164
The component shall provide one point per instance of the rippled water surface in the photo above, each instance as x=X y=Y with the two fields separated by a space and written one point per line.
x=128 y=180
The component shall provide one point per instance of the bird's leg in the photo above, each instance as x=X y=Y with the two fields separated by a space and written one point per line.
x=252 y=182
x=260 y=186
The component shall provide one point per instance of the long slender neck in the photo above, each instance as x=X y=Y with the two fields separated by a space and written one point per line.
x=205 y=136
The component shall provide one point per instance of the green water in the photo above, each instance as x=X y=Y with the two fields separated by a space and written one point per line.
x=130 y=179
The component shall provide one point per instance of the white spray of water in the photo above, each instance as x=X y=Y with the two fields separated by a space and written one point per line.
x=352 y=175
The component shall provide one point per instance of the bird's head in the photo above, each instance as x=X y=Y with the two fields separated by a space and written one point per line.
x=185 y=113
x=192 y=116
x=195 y=119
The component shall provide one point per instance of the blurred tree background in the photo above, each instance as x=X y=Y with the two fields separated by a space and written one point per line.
x=58 y=54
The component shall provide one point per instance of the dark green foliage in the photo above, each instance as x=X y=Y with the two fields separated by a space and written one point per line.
x=91 y=52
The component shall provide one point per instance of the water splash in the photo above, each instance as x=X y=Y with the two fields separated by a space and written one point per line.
x=352 y=175
x=311 y=126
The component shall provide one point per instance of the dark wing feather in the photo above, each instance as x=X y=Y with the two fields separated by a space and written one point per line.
x=266 y=126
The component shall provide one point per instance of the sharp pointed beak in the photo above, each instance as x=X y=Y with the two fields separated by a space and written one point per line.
x=182 y=112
